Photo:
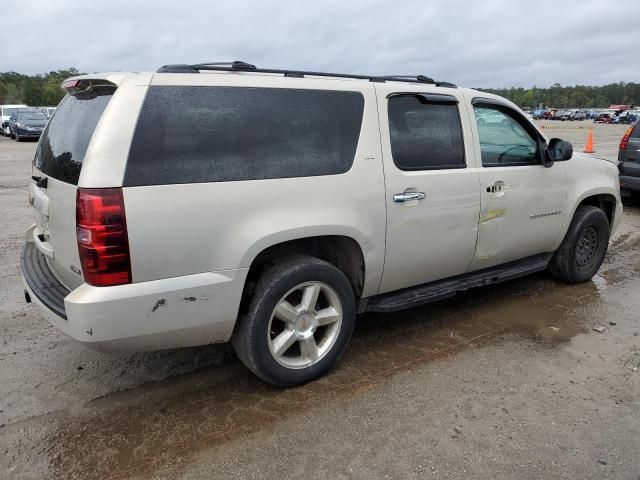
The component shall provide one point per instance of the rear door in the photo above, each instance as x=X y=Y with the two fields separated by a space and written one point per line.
x=57 y=164
x=432 y=185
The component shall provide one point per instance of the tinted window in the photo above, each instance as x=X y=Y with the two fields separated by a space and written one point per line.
x=425 y=135
x=65 y=140
x=635 y=133
x=504 y=140
x=219 y=134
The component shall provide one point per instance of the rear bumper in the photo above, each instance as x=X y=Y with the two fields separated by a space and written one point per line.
x=175 y=312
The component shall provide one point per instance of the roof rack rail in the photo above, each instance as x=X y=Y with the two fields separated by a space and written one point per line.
x=415 y=78
x=247 y=67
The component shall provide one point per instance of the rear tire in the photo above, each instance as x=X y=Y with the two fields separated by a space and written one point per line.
x=584 y=246
x=298 y=322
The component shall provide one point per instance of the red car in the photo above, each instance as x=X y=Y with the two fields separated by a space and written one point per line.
x=603 y=118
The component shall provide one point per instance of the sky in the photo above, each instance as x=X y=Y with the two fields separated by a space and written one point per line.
x=475 y=43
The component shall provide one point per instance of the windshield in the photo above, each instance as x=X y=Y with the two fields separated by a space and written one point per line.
x=31 y=116
x=65 y=140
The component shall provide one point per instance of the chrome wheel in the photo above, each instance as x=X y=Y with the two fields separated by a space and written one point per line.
x=304 y=325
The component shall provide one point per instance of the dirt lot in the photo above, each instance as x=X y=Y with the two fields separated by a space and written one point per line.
x=508 y=381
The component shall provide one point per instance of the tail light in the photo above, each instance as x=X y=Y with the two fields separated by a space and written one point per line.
x=103 y=243
x=625 y=139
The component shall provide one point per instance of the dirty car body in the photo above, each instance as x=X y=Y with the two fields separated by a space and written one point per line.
x=170 y=232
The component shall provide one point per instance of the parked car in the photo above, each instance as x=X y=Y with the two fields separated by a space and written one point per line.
x=490 y=118
x=603 y=118
x=176 y=209
x=48 y=111
x=579 y=115
x=5 y=112
x=564 y=115
x=538 y=114
x=625 y=118
x=629 y=161
x=26 y=123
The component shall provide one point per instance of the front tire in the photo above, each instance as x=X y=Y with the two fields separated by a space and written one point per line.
x=584 y=246
x=298 y=322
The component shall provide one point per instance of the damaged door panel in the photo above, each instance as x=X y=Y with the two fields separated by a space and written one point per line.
x=522 y=201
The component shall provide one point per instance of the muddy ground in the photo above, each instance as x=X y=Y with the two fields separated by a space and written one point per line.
x=508 y=381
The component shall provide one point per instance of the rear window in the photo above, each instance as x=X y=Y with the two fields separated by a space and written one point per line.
x=220 y=134
x=65 y=140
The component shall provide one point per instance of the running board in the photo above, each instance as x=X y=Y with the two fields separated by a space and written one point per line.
x=441 y=289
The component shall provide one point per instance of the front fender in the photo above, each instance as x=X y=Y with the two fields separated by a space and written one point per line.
x=590 y=177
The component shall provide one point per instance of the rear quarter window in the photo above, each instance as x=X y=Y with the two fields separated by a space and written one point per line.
x=66 y=138
x=221 y=134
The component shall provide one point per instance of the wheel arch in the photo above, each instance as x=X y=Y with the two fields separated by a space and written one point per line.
x=605 y=201
x=603 y=198
x=342 y=251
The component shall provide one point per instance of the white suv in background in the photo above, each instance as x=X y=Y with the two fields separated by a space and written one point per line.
x=6 y=111
x=207 y=203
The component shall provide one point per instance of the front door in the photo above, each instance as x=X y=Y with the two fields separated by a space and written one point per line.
x=522 y=202
x=432 y=191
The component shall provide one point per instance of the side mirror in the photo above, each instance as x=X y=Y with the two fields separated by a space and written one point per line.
x=558 y=151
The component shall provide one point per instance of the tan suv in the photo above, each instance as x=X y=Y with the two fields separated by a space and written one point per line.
x=207 y=203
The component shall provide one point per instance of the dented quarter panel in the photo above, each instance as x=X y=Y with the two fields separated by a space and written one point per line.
x=169 y=313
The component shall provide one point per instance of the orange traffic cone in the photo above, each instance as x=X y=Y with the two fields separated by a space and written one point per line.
x=589 y=147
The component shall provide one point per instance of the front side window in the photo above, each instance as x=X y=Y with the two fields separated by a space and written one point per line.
x=223 y=134
x=504 y=141
x=425 y=134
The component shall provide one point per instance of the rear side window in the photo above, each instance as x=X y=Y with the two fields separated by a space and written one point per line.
x=65 y=140
x=425 y=135
x=221 y=134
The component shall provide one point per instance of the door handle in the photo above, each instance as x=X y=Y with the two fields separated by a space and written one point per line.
x=409 y=196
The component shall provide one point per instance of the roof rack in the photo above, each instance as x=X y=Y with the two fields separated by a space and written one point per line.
x=239 y=66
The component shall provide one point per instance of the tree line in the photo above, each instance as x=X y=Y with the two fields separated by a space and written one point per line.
x=578 y=96
x=44 y=90
x=36 y=90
